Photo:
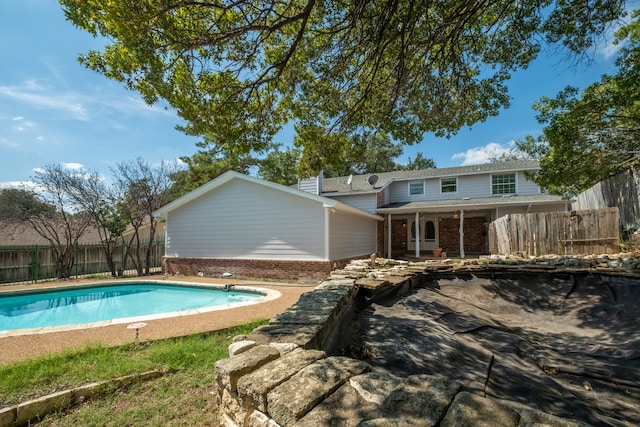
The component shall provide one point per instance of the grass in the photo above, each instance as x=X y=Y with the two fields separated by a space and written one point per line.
x=184 y=396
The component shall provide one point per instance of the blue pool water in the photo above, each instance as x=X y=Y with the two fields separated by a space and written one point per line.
x=104 y=303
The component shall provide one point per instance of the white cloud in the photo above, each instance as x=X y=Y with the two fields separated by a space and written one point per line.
x=606 y=48
x=72 y=166
x=31 y=93
x=25 y=126
x=19 y=184
x=479 y=155
x=18 y=118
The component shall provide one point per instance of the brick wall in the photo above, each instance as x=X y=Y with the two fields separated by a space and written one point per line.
x=253 y=268
x=475 y=238
x=398 y=237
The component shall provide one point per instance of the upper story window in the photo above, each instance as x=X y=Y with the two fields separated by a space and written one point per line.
x=503 y=184
x=449 y=185
x=416 y=188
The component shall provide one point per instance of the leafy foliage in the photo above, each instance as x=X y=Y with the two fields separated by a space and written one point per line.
x=238 y=71
x=16 y=205
x=595 y=134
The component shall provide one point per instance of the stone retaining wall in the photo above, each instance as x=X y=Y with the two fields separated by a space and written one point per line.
x=281 y=375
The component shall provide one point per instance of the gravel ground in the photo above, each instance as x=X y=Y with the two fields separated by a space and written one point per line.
x=15 y=348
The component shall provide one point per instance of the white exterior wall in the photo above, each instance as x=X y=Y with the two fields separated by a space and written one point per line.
x=351 y=235
x=365 y=202
x=471 y=186
x=243 y=220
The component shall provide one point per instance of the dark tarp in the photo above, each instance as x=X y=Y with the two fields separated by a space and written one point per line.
x=564 y=344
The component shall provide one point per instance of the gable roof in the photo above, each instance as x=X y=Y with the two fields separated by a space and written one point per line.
x=360 y=183
x=231 y=175
x=12 y=234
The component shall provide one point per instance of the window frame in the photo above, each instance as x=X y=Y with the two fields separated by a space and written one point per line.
x=416 y=181
x=504 y=185
x=455 y=185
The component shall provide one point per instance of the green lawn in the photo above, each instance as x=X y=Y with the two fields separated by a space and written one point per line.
x=183 y=396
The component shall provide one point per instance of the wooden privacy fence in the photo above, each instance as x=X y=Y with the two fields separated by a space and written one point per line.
x=565 y=233
x=36 y=262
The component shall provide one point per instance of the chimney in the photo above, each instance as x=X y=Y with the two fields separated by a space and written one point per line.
x=312 y=185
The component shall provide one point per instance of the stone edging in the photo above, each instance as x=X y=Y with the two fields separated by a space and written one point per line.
x=279 y=375
x=34 y=410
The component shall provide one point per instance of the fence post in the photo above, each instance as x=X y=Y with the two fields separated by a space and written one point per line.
x=34 y=264
x=123 y=260
x=75 y=260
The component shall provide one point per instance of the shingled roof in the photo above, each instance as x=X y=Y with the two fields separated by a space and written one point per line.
x=23 y=235
x=360 y=183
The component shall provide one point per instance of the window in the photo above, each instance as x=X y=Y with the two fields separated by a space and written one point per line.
x=449 y=185
x=503 y=184
x=416 y=187
x=429 y=231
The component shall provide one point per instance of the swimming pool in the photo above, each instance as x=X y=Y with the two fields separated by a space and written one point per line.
x=51 y=309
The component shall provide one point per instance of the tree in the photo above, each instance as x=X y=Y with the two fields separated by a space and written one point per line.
x=591 y=136
x=281 y=166
x=145 y=188
x=337 y=69
x=17 y=204
x=366 y=154
x=419 y=163
x=64 y=226
x=210 y=161
x=91 y=195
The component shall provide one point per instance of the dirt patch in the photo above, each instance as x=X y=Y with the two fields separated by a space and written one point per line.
x=565 y=344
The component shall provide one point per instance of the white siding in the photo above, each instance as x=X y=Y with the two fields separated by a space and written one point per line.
x=526 y=187
x=351 y=235
x=240 y=219
x=365 y=202
x=469 y=186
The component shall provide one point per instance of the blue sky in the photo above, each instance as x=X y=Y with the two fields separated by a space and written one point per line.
x=52 y=110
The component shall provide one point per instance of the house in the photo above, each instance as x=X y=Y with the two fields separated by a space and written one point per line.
x=447 y=208
x=254 y=228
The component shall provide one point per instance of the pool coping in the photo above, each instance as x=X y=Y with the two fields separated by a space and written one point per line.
x=268 y=295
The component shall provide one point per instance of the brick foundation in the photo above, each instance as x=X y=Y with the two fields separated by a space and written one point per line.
x=253 y=268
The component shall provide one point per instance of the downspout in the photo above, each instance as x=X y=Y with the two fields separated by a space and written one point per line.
x=461 y=234
x=327 y=211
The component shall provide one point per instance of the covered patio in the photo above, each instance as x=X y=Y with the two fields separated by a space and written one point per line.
x=454 y=227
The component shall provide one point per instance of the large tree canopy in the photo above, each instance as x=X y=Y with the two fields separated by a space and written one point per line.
x=241 y=69
x=595 y=134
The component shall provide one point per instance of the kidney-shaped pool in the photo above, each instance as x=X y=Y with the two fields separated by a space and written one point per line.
x=29 y=311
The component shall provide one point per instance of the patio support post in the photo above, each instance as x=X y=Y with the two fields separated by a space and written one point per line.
x=461 y=233
x=417 y=234
x=389 y=236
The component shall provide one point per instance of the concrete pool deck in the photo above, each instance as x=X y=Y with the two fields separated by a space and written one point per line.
x=22 y=347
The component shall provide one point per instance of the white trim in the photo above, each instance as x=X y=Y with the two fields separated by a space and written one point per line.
x=515 y=181
x=421 y=181
x=327 y=240
x=449 y=192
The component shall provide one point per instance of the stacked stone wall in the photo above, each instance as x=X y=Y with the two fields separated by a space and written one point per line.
x=281 y=375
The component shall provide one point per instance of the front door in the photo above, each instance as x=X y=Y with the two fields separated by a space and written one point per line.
x=428 y=234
